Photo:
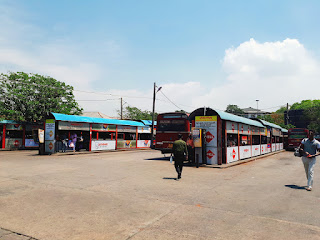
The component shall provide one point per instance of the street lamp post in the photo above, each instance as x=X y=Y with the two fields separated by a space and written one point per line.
x=257 y=107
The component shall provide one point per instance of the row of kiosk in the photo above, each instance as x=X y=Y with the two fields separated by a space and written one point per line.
x=221 y=137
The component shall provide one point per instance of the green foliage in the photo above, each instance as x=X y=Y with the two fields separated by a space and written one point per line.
x=29 y=97
x=234 y=109
x=311 y=110
x=276 y=118
x=135 y=113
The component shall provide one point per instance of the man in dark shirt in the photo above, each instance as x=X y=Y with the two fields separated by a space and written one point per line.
x=180 y=153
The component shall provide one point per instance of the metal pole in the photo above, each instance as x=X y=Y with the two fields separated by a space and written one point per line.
x=121 y=110
x=153 y=108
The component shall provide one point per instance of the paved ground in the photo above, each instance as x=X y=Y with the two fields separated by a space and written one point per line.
x=133 y=195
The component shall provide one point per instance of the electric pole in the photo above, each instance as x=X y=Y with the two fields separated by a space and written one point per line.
x=153 y=107
x=121 y=109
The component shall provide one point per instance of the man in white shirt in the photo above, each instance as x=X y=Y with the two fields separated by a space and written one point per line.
x=310 y=146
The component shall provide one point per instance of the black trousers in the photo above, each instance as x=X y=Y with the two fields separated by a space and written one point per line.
x=178 y=163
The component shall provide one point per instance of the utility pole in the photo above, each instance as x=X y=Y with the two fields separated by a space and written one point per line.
x=153 y=108
x=287 y=114
x=121 y=109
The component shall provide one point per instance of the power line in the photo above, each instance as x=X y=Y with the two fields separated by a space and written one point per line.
x=170 y=100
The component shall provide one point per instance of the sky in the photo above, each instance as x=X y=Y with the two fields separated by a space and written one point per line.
x=201 y=53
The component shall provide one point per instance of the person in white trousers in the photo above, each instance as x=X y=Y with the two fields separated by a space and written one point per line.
x=310 y=146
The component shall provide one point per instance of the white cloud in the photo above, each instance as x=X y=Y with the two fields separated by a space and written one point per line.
x=273 y=72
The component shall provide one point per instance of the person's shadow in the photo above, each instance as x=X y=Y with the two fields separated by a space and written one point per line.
x=295 y=186
x=169 y=178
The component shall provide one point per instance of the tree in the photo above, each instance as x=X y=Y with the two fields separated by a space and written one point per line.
x=311 y=110
x=234 y=109
x=29 y=97
x=137 y=114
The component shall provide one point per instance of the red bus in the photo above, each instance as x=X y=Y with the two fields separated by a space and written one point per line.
x=169 y=125
x=295 y=136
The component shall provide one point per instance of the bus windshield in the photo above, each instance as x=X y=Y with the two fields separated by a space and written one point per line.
x=171 y=125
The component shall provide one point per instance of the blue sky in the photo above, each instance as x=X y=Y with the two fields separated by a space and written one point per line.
x=122 y=47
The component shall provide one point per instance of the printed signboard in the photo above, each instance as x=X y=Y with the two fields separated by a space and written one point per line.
x=13 y=143
x=143 y=143
x=98 y=145
x=277 y=146
x=209 y=124
x=212 y=157
x=14 y=127
x=264 y=149
x=273 y=147
x=145 y=129
x=256 y=150
x=30 y=143
x=244 y=129
x=49 y=146
x=232 y=154
x=232 y=127
x=126 y=144
x=103 y=127
x=281 y=146
x=196 y=136
x=245 y=152
x=50 y=129
x=263 y=131
x=127 y=129
x=74 y=126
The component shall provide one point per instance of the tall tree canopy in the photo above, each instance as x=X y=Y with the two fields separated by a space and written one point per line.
x=234 y=109
x=311 y=110
x=135 y=113
x=29 y=97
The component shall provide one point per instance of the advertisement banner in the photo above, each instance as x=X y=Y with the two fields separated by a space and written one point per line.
x=212 y=155
x=127 y=129
x=256 y=150
x=277 y=146
x=49 y=146
x=263 y=131
x=208 y=123
x=103 y=127
x=30 y=143
x=13 y=143
x=273 y=147
x=145 y=129
x=245 y=152
x=264 y=149
x=73 y=126
x=126 y=144
x=255 y=131
x=50 y=129
x=232 y=154
x=244 y=129
x=144 y=143
x=98 y=145
x=232 y=127
x=14 y=127
x=196 y=136
x=281 y=146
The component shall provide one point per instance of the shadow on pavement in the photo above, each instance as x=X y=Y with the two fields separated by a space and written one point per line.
x=295 y=186
x=169 y=178
x=158 y=159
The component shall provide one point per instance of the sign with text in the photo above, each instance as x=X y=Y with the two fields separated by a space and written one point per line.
x=99 y=145
x=232 y=127
x=145 y=129
x=50 y=129
x=14 y=127
x=103 y=127
x=127 y=129
x=73 y=126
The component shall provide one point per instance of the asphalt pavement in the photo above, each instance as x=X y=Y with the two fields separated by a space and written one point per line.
x=134 y=195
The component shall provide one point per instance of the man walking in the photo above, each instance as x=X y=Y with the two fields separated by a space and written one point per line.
x=180 y=153
x=310 y=146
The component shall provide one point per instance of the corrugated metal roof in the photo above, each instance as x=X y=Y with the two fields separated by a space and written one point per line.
x=9 y=121
x=149 y=122
x=234 y=118
x=284 y=130
x=75 y=118
x=270 y=124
